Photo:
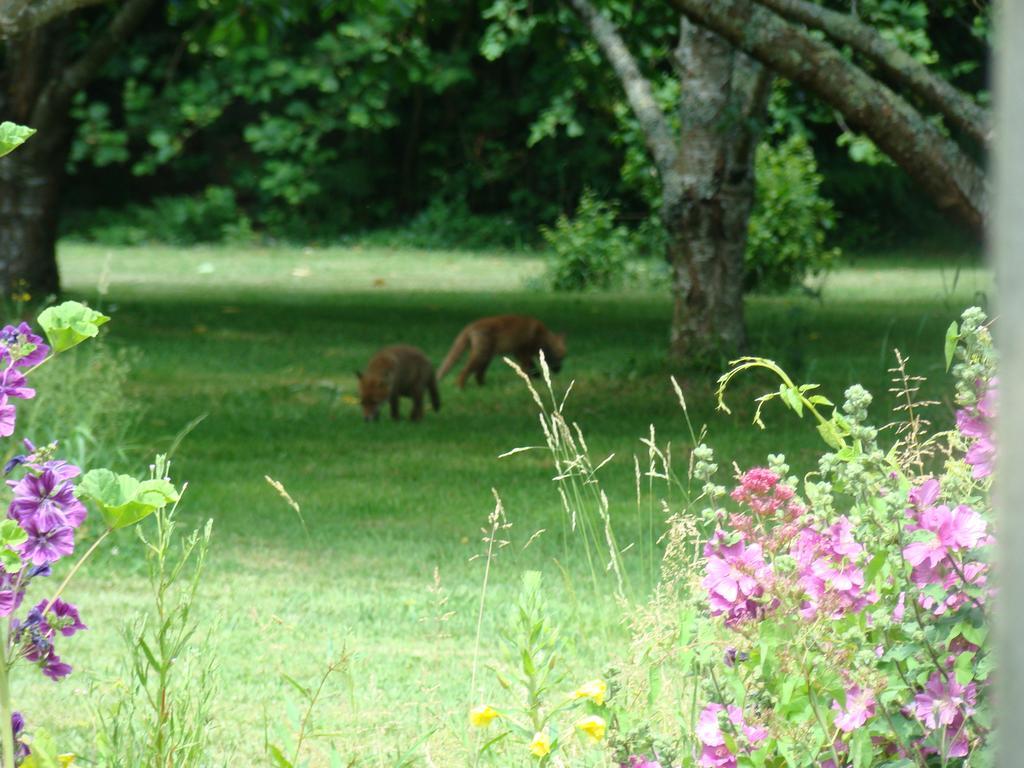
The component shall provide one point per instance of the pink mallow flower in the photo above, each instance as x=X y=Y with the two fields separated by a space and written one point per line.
x=829 y=571
x=737 y=579
x=975 y=423
x=954 y=530
x=944 y=704
x=860 y=707
x=714 y=752
x=763 y=492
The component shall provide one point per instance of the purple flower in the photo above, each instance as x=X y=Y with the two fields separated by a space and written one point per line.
x=54 y=668
x=860 y=706
x=8 y=413
x=942 y=700
x=13 y=346
x=21 y=750
x=48 y=500
x=61 y=617
x=737 y=578
x=12 y=384
x=954 y=530
x=639 y=761
x=925 y=494
x=45 y=546
x=715 y=753
x=829 y=571
x=975 y=423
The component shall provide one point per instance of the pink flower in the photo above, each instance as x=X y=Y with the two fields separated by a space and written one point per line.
x=737 y=578
x=860 y=706
x=925 y=494
x=829 y=571
x=975 y=423
x=954 y=530
x=942 y=700
x=715 y=754
x=639 y=761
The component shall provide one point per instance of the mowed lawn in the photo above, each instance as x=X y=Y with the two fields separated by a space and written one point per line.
x=265 y=343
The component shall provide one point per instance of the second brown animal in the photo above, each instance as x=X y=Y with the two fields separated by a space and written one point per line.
x=519 y=336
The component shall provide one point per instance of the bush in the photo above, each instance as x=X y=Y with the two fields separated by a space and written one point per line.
x=210 y=217
x=589 y=250
x=791 y=219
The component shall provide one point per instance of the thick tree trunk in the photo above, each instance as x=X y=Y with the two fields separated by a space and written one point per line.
x=38 y=80
x=722 y=95
x=31 y=176
x=29 y=202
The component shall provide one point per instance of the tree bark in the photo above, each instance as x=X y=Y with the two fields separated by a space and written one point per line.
x=899 y=68
x=38 y=80
x=952 y=179
x=722 y=94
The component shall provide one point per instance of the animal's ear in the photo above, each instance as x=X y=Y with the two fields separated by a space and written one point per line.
x=359 y=375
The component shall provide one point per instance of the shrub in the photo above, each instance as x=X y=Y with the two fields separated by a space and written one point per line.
x=791 y=220
x=589 y=250
x=210 y=217
x=839 y=620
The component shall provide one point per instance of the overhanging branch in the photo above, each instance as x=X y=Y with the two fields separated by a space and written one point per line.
x=953 y=180
x=898 y=67
x=20 y=16
x=657 y=133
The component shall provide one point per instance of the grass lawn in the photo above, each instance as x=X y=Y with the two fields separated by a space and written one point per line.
x=265 y=343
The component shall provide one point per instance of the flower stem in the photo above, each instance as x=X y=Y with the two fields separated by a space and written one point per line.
x=74 y=570
x=6 y=726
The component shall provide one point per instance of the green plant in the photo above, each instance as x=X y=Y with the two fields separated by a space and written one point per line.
x=589 y=250
x=791 y=220
x=158 y=713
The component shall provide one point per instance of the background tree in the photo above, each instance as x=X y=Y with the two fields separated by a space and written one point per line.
x=47 y=59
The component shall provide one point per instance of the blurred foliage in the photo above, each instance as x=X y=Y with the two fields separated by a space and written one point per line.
x=791 y=221
x=476 y=120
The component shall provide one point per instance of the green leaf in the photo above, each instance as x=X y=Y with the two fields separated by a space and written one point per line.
x=123 y=500
x=830 y=434
x=278 y=757
x=13 y=136
x=10 y=560
x=860 y=748
x=964 y=668
x=69 y=324
x=952 y=337
x=874 y=567
x=11 y=534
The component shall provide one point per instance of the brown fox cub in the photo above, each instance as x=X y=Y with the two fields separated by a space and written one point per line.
x=394 y=372
x=519 y=336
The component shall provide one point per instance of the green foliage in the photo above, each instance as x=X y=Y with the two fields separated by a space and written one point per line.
x=590 y=250
x=123 y=500
x=69 y=324
x=95 y=430
x=791 y=220
x=13 y=136
x=159 y=712
x=209 y=217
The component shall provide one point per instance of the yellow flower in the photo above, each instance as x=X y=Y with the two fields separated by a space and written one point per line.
x=541 y=744
x=481 y=716
x=594 y=690
x=593 y=726
x=65 y=760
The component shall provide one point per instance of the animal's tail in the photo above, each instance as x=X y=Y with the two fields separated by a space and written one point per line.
x=458 y=347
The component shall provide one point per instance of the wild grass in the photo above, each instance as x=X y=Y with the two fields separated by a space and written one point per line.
x=264 y=343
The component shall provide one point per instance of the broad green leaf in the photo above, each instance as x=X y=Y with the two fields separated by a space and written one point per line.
x=123 y=500
x=13 y=136
x=10 y=560
x=952 y=337
x=69 y=324
x=11 y=534
x=278 y=757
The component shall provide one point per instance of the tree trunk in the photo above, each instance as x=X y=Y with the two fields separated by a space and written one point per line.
x=29 y=203
x=31 y=176
x=723 y=93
